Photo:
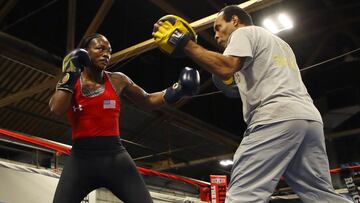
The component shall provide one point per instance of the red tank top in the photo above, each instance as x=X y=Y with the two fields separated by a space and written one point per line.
x=95 y=115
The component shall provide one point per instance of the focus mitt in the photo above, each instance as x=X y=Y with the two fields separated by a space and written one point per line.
x=171 y=33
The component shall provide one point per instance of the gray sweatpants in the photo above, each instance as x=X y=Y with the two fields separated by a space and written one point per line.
x=294 y=149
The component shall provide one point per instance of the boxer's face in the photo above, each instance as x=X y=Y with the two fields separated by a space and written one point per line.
x=223 y=29
x=100 y=52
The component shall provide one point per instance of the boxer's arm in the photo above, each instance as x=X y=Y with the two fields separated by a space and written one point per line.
x=135 y=93
x=188 y=84
x=143 y=99
x=216 y=63
x=73 y=65
x=60 y=102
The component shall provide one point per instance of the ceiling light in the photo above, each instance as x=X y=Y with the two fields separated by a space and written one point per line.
x=226 y=162
x=275 y=25
x=270 y=25
x=285 y=21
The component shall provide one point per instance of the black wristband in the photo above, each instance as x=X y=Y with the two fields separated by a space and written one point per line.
x=173 y=93
x=179 y=40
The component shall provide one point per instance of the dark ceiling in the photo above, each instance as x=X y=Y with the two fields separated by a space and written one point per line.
x=187 y=138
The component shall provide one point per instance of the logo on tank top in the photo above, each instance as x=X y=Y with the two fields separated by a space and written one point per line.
x=77 y=108
x=109 y=104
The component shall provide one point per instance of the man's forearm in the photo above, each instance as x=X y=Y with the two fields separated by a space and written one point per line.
x=213 y=62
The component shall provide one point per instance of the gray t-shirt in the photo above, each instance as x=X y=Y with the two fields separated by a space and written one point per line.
x=269 y=83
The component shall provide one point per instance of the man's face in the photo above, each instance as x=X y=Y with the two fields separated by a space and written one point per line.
x=223 y=29
x=100 y=52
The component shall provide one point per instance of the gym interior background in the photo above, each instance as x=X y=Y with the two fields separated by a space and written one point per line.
x=190 y=137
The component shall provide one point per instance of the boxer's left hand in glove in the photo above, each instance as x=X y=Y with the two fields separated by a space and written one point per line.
x=188 y=84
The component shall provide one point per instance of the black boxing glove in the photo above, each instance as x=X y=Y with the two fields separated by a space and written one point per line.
x=227 y=87
x=73 y=65
x=188 y=84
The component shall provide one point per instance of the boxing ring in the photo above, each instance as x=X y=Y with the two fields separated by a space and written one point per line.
x=46 y=179
x=29 y=179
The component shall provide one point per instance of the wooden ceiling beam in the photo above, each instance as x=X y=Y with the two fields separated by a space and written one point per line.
x=20 y=51
x=99 y=17
x=16 y=97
